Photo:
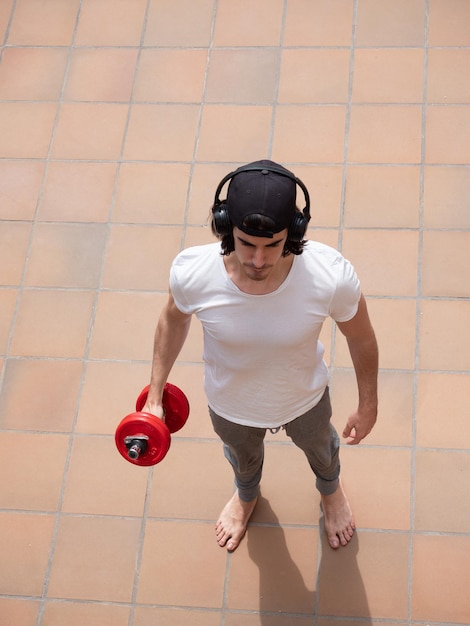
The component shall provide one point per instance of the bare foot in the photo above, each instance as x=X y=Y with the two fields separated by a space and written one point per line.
x=339 y=520
x=232 y=522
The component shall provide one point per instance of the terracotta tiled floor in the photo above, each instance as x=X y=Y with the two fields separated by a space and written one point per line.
x=117 y=120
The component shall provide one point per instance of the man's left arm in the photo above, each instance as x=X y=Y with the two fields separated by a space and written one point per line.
x=365 y=357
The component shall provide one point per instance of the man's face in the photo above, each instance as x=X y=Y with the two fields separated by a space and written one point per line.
x=258 y=256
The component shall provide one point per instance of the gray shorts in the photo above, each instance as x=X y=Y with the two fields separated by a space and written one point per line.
x=312 y=432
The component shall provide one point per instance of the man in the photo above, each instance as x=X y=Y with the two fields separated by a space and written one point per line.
x=262 y=295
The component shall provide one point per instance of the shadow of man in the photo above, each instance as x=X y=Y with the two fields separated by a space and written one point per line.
x=284 y=594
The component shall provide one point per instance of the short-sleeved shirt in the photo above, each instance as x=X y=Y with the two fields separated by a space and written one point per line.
x=263 y=359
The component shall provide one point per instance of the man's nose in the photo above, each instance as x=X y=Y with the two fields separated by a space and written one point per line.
x=258 y=258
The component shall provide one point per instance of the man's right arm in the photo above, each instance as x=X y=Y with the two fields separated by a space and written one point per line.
x=170 y=335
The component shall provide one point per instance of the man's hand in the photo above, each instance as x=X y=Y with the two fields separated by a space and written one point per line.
x=154 y=409
x=359 y=426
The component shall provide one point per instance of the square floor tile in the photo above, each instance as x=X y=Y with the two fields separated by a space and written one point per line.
x=439 y=590
x=132 y=250
x=439 y=484
x=358 y=622
x=190 y=567
x=101 y=482
x=103 y=74
x=448 y=134
x=110 y=23
x=382 y=196
x=66 y=255
x=354 y=582
x=446 y=190
x=170 y=75
x=265 y=619
x=78 y=613
x=198 y=236
x=377 y=481
x=448 y=21
x=151 y=193
x=238 y=25
x=186 y=23
x=94 y=559
x=109 y=393
x=319 y=23
x=309 y=134
x=7 y=310
x=385 y=134
x=243 y=75
x=442 y=397
x=77 y=192
x=25 y=541
x=120 y=316
x=50 y=402
x=205 y=179
x=388 y=75
x=5 y=13
x=288 y=497
x=444 y=341
x=314 y=76
x=52 y=323
x=161 y=132
x=395 y=416
x=19 y=611
x=396 y=340
x=25 y=129
x=234 y=133
x=32 y=478
x=50 y=23
x=149 y=616
x=90 y=131
x=32 y=73
x=14 y=243
x=370 y=252
x=208 y=485
x=20 y=183
x=446 y=264
x=272 y=570
x=447 y=72
x=324 y=185
x=381 y=23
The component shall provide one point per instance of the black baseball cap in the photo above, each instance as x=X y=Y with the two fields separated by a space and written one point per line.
x=262 y=188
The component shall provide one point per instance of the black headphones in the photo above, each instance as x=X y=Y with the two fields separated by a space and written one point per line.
x=221 y=218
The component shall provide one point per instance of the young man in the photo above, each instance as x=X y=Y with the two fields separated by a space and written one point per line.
x=262 y=295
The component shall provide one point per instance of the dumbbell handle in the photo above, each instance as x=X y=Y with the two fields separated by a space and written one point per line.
x=136 y=446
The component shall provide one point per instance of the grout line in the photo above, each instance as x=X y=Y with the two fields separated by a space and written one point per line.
x=198 y=128
x=275 y=102
x=418 y=316
x=57 y=513
x=345 y=162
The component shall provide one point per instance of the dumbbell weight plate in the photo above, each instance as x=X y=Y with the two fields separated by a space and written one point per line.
x=174 y=402
x=144 y=424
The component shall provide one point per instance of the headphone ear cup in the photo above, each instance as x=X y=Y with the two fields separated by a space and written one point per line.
x=298 y=227
x=221 y=220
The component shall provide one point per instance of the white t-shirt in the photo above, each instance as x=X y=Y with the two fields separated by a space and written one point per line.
x=263 y=359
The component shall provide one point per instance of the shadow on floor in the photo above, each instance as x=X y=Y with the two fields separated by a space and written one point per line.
x=338 y=589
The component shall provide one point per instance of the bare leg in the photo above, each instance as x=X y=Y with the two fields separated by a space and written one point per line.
x=231 y=525
x=339 y=520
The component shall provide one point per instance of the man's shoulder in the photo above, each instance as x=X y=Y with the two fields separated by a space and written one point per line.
x=202 y=252
x=315 y=251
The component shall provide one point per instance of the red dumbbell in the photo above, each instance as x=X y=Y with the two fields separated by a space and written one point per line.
x=143 y=438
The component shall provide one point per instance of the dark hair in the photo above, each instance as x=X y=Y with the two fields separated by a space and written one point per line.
x=256 y=222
